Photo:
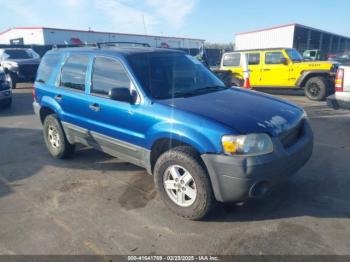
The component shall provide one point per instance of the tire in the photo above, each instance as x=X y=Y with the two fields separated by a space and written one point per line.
x=237 y=82
x=184 y=157
x=55 y=138
x=316 y=88
x=11 y=79
x=7 y=104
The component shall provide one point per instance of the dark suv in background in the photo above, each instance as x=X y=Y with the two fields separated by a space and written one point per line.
x=19 y=65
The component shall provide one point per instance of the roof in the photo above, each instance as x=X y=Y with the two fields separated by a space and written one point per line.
x=261 y=49
x=117 y=50
x=290 y=25
x=91 y=31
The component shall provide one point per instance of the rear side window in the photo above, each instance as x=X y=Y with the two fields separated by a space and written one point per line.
x=47 y=65
x=273 y=58
x=254 y=59
x=73 y=72
x=107 y=74
x=232 y=59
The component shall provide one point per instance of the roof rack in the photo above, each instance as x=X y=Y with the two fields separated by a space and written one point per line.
x=131 y=44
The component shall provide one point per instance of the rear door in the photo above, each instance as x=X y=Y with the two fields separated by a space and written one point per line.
x=254 y=64
x=273 y=72
x=71 y=91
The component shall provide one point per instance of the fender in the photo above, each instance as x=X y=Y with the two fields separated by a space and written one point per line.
x=51 y=103
x=181 y=133
x=301 y=80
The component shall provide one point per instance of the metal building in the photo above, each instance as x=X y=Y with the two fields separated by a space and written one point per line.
x=57 y=36
x=296 y=36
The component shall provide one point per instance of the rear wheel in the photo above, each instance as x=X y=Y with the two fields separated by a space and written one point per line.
x=55 y=139
x=183 y=183
x=316 y=88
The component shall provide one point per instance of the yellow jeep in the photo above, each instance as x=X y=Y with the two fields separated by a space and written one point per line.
x=282 y=68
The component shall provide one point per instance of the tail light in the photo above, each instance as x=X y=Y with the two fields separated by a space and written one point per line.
x=33 y=92
x=339 y=80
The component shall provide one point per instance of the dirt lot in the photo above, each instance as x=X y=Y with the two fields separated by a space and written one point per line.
x=94 y=204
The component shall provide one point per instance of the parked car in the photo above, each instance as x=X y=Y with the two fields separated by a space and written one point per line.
x=5 y=91
x=165 y=111
x=19 y=65
x=341 y=98
x=314 y=55
x=283 y=68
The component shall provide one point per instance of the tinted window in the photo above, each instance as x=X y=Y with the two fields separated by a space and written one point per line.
x=232 y=59
x=273 y=57
x=254 y=59
x=46 y=67
x=74 y=72
x=108 y=74
x=172 y=74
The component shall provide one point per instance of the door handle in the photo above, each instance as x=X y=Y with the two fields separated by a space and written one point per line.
x=95 y=107
x=58 y=98
x=267 y=69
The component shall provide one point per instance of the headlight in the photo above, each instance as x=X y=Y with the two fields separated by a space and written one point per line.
x=12 y=64
x=252 y=144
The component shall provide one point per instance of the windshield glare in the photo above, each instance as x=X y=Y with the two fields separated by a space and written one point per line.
x=294 y=55
x=20 y=54
x=167 y=75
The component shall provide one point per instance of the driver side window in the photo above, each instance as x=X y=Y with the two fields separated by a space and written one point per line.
x=107 y=74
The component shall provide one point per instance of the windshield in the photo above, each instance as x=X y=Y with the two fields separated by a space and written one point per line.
x=294 y=55
x=20 y=54
x=167 y=75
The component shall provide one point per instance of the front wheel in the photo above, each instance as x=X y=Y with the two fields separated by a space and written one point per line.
x=55 y=139
x=316 y=88
x=11 y=79
x=183 y=183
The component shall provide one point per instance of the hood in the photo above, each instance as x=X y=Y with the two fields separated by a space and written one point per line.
x=316 y=65
x=31 y=61
x=242 y=110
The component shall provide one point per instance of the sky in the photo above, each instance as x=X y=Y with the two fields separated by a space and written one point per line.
x=215 y=21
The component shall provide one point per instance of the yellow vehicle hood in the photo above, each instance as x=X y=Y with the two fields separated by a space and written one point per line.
x=315 y=65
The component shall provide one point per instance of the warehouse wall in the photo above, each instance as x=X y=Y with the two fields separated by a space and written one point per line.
x=32 y=36
x=64 y=37
x=277 y=37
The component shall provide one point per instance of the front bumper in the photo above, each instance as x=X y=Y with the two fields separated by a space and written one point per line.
x=235 y=179
x=339 y=101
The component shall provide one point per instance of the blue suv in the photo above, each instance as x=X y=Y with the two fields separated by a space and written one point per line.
x=163 y=110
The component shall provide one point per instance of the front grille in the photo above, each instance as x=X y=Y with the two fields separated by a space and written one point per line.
x=291 y=136
x=28 y=70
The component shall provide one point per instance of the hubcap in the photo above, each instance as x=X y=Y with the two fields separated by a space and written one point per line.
x=8 y=79
x=314 y=89
x=53 y=136
x=180 y=186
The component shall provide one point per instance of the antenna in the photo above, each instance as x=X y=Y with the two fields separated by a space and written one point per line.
x=144 y=24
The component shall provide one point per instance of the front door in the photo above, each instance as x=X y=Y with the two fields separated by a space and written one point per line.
x=117 y=127
x=273 y=72
x=254 y=65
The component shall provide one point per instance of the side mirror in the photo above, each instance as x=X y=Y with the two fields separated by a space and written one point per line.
x=122 y=94
x=284 y=61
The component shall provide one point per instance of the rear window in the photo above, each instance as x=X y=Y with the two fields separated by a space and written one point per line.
x=73 y=73
x=232 y=59
x=253 y=59
x=47 y=65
